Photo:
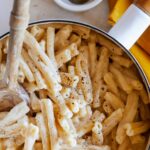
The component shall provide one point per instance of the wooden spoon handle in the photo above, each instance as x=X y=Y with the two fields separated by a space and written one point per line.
x=18 y=23
x=144 y=5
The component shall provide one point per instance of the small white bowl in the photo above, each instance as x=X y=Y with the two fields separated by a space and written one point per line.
x=66 y=4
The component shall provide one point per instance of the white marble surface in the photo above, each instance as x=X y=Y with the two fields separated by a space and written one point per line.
x=47 y=9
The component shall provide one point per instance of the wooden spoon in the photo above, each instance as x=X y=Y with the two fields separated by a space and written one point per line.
x=11 y=92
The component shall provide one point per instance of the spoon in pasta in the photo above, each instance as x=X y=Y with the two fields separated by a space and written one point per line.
x=11 y=92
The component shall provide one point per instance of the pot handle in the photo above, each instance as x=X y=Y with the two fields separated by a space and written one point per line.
x=132 y=24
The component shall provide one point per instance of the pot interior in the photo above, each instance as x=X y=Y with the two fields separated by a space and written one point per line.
x=102 y=39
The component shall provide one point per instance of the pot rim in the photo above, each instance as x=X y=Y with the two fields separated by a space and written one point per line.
x=100 y=31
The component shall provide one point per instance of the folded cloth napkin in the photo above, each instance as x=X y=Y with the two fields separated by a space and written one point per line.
x=141 y=50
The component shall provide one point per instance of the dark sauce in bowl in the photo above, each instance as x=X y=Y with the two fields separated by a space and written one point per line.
x=78 y=1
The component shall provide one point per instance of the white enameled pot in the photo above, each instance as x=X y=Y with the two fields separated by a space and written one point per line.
x=124 y=34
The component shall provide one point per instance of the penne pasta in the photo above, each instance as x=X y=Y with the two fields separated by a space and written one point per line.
x=92 y=57
x=48 y=111
x=35 y=102
x=136 y=128
x=69 y=130
x=84 y=51
x=125 y=62
x=42 y=44
x=125 y=145
x=66 y=54
x=124 y=85
x=108 y=44
x=144 y=96
x=37 y=32
x=89 y=112
x=85 y=147
x=26 y=70
x=97 y=116
x=112 y=121
x=50 y=43
x=63 y=57
x=97 y=136
x=128 y=116
x=75 y=39
x=84 y=78
x=11 y=131
x=139 y=146
x=86 y=128
x=65 y=92
x=30 y=87
x=92 y=37
x=65 y=111
x=69 y=79
x=61 y=38
x=81 y=31
x=37 y=75
x=107 y=107
x=43 y=129
x=14 y=130
x=130 y=72
x=48 y=75
x=36 y=51
x=137 y=139
x=63 y=123
x=43 y=94
x=135 y=83
x=73 y=105
x=99 y=75
x=20 y=109
x=114 y=144
x=63 y=68
x=9 y=144
x=71 y=70
x=111 y=84
x=37 y=146
x=123 y=95
x=83 y=112
x=19 y=140
x=33 y=121
x=50 y=46
x=31 y=137
x=115 y=101
x=78 y=96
